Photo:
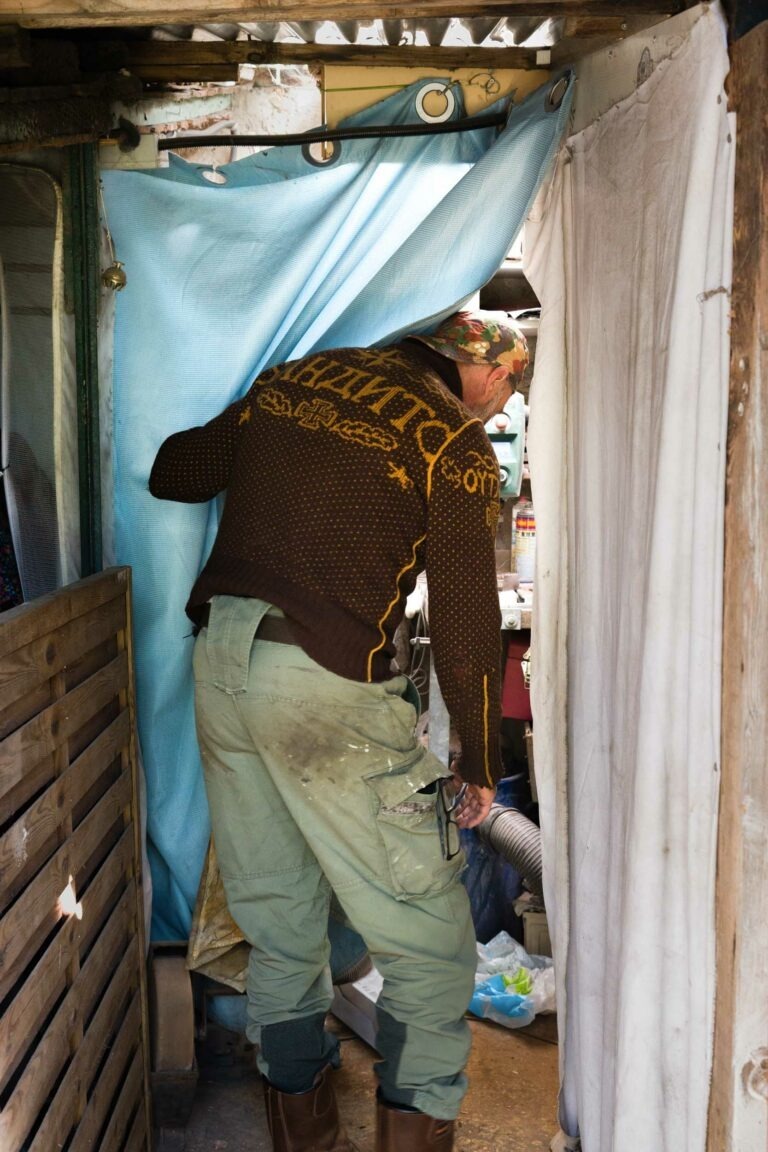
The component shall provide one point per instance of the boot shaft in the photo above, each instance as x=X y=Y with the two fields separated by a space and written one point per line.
x=400 y=1131
x=306 y=1121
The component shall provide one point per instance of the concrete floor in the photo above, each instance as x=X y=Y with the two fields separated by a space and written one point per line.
x=510 y=1107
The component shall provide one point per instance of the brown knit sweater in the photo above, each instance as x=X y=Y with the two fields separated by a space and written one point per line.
x=347 y=473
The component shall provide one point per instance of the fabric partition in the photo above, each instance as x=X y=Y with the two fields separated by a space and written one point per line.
x=224 y=280
x=38 y=423
x=630 y=255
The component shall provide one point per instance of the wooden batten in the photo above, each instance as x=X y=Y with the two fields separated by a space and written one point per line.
x=99 y=13
x=73 y=1032
x=737 y=1115
x=158 y=60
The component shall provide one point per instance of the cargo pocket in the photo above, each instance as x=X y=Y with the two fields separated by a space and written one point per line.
x=407 y=820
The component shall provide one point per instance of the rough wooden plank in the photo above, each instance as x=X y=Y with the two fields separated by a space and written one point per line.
x=37 y=906
x=132 y=760
x=125 y=1044
x=32 y=781
x=16 y=714
x=23 y=843
x=88 y=663
x=15 y=48
x=137 y=1137
x=611 y=26
x=48 y=614
x=90 y=13
x=157 y=59
x=53 y=62
x=95 y=724
x=23 y=671
x=51 y=1054
x=22 y=1019
x=61 y=1115
x=128 y=1104
x=41 y=736
x=737 y=1113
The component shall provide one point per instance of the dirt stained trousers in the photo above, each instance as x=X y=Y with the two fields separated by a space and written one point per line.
x=314 y=784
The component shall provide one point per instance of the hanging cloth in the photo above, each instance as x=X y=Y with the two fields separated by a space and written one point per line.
x=630 y=255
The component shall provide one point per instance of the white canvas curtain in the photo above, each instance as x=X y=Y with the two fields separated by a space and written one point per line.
x=630 y=256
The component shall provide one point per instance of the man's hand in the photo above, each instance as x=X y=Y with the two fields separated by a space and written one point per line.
x=475 y=806
x=476 y=801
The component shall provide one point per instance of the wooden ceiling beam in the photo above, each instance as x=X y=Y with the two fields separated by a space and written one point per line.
x=162 y=60
x=127 y=13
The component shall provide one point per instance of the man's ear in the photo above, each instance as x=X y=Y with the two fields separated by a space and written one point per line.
x=494 y=379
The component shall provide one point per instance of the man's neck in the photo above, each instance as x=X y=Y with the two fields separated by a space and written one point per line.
x=445 y=368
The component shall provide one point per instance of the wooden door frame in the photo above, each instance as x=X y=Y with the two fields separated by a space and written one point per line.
x=737 y=1112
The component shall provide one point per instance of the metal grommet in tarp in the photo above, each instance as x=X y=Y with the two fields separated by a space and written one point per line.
x=214 y=176
x=321 y=153
x=557 y=92
x=450 y=103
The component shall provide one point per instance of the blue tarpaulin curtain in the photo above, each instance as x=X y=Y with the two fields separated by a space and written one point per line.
x=225 y=280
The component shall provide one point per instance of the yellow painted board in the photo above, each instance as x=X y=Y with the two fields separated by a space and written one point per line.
x=350 y=89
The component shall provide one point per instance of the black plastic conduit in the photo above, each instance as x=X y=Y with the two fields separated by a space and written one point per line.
x=320 y=135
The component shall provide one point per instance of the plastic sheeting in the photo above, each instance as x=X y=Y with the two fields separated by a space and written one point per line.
x=630 y=256
x=227 y=279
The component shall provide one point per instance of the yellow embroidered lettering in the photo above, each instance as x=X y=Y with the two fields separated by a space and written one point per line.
x=431 y=436
x=342 y=382
x=416 y=406
x=377 y=386
x=308 y=374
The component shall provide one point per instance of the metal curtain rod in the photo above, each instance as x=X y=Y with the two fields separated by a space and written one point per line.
x=320 y=135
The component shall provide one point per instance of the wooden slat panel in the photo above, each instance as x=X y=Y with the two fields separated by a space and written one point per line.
x=23 y=1018
x=128 y=1103
x=52 y=1053
x=38 y=904
x=47 y=615
x=43 y=734
x=95 y=1115
x=33 y=780
x=137 y=1139
x=89 y=662
x=78 y=741
x=18 y=713
x=33 y=833
x=26 y=669
x=73 y=1028
x=62 y=1112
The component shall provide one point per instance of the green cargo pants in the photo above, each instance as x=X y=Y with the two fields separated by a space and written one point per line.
x=314 y=784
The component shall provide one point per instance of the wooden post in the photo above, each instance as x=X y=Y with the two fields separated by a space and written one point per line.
x=738 y=1113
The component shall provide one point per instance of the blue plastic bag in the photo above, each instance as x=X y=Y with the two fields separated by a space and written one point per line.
x=496 y=999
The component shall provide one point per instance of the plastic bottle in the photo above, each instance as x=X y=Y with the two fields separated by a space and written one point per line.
x=524 y=546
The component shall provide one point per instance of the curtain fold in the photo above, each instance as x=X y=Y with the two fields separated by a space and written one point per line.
x=631 y=256
x=226 y=279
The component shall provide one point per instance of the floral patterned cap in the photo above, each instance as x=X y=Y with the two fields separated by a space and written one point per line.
x=480 y=338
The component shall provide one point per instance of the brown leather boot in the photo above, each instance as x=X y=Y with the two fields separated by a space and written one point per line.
x=306 y=1121
x=400 y=1131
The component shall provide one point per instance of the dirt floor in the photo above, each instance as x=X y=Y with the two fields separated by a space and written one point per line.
x=510 y=1107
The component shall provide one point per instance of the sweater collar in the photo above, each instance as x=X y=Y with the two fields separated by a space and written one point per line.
x=445 y=368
